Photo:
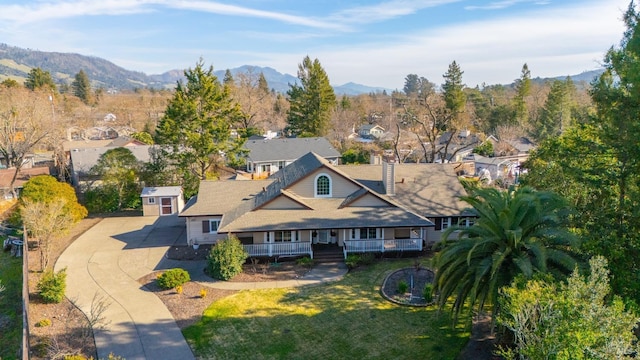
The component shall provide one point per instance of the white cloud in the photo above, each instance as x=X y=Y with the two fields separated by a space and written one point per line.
x=385 y=11
x=498 y=5
x=66 y=9
x=492 y=51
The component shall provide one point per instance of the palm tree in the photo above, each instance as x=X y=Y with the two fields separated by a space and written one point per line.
x=516 y=232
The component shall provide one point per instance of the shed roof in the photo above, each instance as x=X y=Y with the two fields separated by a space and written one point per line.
x=161 y=191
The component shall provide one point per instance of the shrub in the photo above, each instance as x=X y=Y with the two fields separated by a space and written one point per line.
x=101 y=199
x=367 y=259
x=52 y=286
x=427 y=293
x=173 y=278
x=179 y=289
x=203 y=293
x=352 y=261
x=305 y=261
x=403 y=287
x=43 y=323
x=226 y=258
x=41 y=348
x=355 y=260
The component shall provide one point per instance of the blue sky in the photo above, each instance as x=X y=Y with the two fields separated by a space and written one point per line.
x=376 y=43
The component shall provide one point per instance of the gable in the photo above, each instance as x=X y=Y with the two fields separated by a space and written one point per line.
x=341 y=187
x=369 y=200
x=283 y=203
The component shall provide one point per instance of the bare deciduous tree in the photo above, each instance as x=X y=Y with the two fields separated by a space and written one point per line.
x=25 y=121
x=46 y=221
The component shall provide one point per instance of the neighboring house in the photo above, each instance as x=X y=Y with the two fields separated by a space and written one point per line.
x=520 y=146
x=458 y=147
x=83 y=159
x=370 y=131
x=125 y=141
x=101 y=133
x=162 y=200
x=364 y=208
x=23 y=176
x=267 y=156
x=504 y=168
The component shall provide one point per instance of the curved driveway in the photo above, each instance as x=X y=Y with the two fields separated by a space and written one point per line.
x=104 y=264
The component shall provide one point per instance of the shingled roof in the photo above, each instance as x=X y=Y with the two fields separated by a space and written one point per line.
x=431 y=190
x=422 y=191
x=288 y=149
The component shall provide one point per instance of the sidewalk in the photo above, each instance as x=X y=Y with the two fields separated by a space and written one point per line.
x=105 y=263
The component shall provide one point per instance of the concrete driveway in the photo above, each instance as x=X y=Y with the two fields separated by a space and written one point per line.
x=104 y=264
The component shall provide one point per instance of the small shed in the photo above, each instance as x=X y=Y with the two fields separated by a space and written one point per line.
x=162 y=200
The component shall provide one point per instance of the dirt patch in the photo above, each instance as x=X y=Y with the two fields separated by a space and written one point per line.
x=187 y=307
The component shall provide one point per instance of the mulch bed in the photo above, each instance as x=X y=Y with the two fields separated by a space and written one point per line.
x=418 y=277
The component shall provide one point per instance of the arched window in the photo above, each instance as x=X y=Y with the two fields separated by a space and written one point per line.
x=323 y=186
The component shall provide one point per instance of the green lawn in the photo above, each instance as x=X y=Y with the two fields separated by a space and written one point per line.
x=348 y=319
x=10 y=305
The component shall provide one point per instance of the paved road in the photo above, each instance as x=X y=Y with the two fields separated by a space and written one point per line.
x=104 y=264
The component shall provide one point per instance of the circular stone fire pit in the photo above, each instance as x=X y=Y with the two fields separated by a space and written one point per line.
x=411 y=276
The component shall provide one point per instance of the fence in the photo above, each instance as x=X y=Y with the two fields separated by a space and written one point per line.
x=25 y=297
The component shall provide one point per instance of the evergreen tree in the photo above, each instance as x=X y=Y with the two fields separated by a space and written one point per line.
x=415 y=85
x=453 y=90
x=557 y=111
x=312 y=102
x=39 y=79
x=262 y=84
x=411 y=84
x=10 y=83
x=523 y=89
x=196 y=127
x=596 y=164
x=82 y=87
x=228 y=79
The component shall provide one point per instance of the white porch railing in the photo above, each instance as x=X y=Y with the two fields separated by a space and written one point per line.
x=363 y=246
x=279 y=249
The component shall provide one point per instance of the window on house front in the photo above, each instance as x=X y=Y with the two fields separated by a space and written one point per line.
x=467 y=222
x=210 y=226
x=365 y=233
x=446 y=222
x=151 y=200
x=285 y=236
x=323 y=186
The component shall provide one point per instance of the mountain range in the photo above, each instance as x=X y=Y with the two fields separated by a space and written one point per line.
x=16 y=63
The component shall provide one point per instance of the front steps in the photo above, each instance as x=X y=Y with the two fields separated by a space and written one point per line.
x=330 y=253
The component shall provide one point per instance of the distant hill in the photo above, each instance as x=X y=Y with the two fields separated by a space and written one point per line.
x=276 y=80
x=16 y=63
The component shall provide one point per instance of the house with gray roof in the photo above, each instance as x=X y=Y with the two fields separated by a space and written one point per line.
x=267 y=156
x=361 y=208
x=83 y=159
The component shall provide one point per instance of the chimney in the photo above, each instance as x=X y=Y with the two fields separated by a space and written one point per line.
x=389 y=175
